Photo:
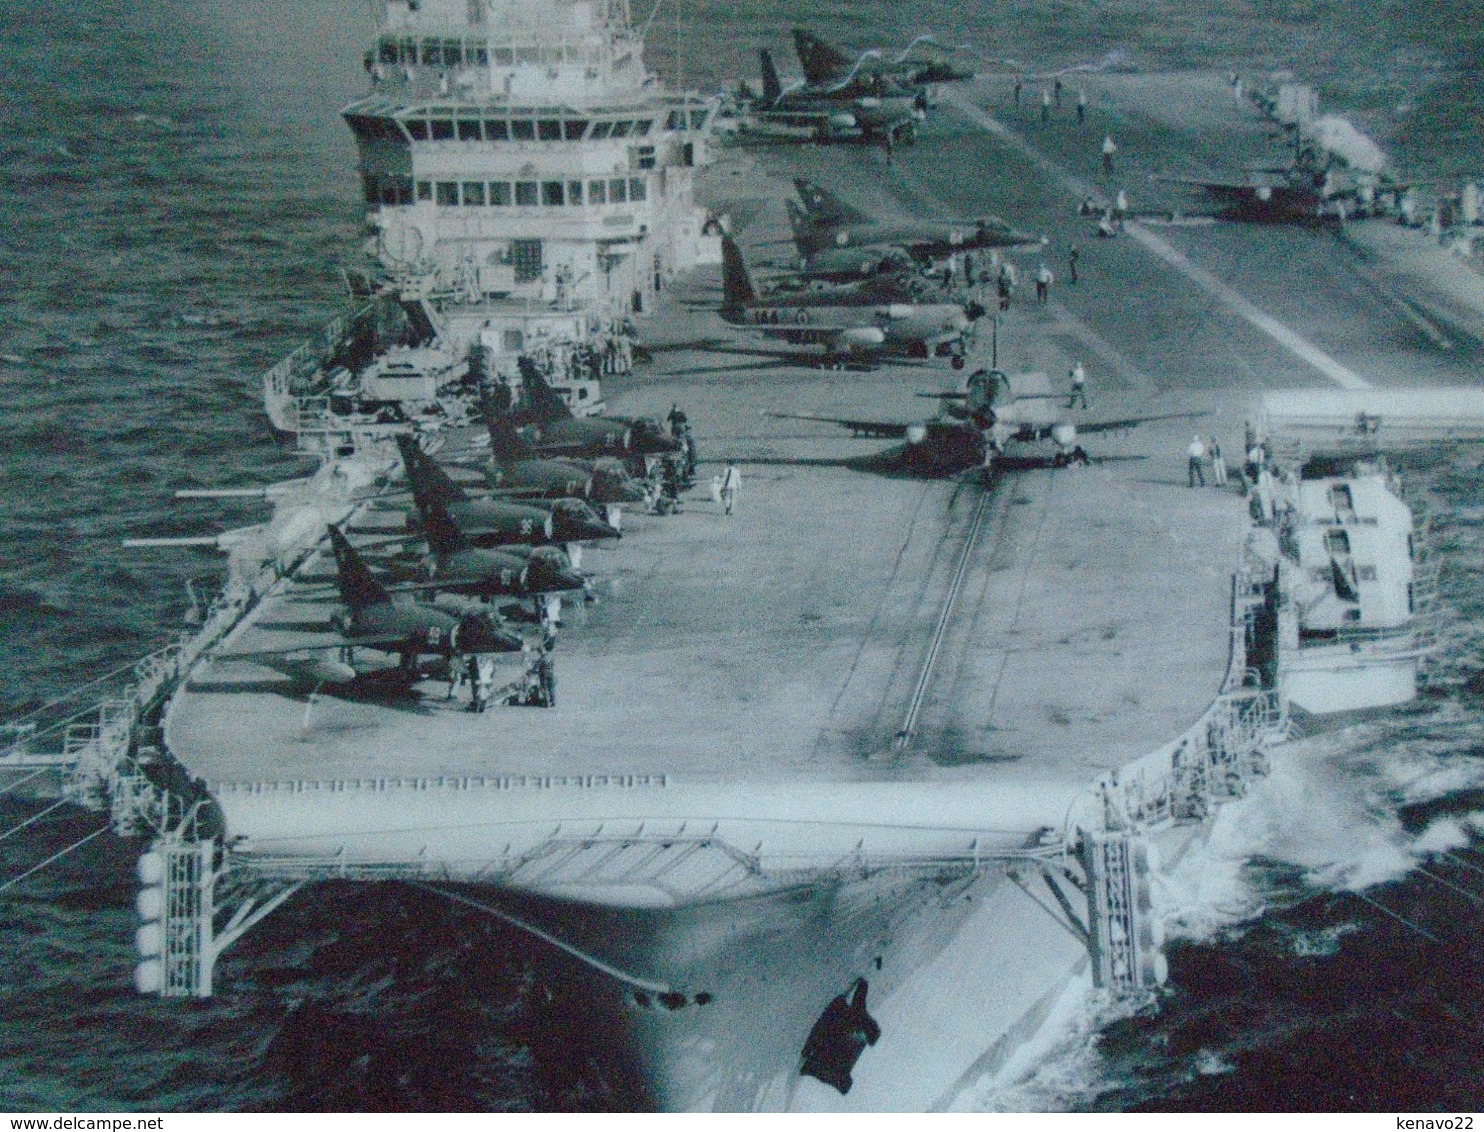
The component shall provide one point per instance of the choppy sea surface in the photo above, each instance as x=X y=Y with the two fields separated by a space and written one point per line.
x=178 y=195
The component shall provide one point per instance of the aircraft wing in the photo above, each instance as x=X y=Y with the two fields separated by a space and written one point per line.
x=887 y=430
x=1130 y=422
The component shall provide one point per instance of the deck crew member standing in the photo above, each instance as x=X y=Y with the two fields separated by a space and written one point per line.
x=1045 y=105
x=731 y=480
x=1081 y=106
x=1109 y=149
x=1079 y=386
x=1197 y=454
x=1073 y=258
x=1218 y=464
x=1044 y=279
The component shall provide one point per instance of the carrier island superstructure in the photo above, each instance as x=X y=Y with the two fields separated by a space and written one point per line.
x=861 y=780
x=528 y=185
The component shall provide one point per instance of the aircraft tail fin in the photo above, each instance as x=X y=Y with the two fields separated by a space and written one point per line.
x=429 y=482
x=542 y=401
x=822 y=62
x=443 y=534
x=359 y=588
x=806 y=234
x=736 y=281
x=772 y=88
x=505 y=442
x=823 y=207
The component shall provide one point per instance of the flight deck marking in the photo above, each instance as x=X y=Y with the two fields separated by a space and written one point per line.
x=1291 y=340
x=1341 y=375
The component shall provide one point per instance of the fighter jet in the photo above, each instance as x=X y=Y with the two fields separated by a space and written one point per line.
x=374 y=619
x=517 y=469
x=510 y=571
x=924 y=62
x=1334 y=169
x=836 y=238
x=859 y=105
x=901 y=313
x=996 y=409
x=498 y=522
x=551 y=427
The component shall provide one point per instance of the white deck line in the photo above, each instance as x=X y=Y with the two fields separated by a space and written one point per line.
x=1081 y=189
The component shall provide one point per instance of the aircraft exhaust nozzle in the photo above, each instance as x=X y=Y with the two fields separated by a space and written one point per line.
x=1065 y=433
x=917 y=433
x=843 y=121
x=1265 y=193
x=864 y=336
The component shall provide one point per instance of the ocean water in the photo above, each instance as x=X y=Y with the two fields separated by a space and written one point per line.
x=178 y=195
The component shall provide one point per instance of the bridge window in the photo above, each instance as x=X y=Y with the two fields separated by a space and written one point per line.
x=425 y=190
x=453 y=53
x=621 y=129
x=442 y=129
x=574 y=128
x=409 y=53
x=597 y=192
x=523 y=129
x=468 y=129
x=448 y=192
x=504 y=57
x=497 y=129
x=644 y=157
x=697 y=119
x=601 y=130
x=549 y=129
x=527 y=56
x=642 y=126
x=552 y=193
x=525 y=193
x=618 y=191
x=480 y=56
x=474 y=192
x=675 y=120
x=525 y=257
x=417 y=128
x=574 y=192
x=638 y=190
x=432 y=53
x=500 y=194
x=387 y=52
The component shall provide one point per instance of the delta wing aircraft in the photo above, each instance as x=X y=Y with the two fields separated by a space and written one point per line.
x=900 y=313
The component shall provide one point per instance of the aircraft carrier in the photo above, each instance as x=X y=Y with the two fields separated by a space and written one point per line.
x=874 y=773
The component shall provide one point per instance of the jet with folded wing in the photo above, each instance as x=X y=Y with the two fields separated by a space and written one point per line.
x=901 y=313
x=922 y=63
x=860 y=105
x=996 y=409
x=838 y=240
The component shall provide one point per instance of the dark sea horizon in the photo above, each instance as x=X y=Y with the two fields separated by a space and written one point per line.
x=179 y=196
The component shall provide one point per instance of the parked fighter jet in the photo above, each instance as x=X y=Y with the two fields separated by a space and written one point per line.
x=510 y=571
x=551 y=426
x=996 y=409
x=517 y=469
x=923 y=62
x=832 y=235
x=860 y=105
x=497 y=522
x=885 y=312
x=375 y=620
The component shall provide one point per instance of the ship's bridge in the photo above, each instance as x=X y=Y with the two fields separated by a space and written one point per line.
x=570 y=49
